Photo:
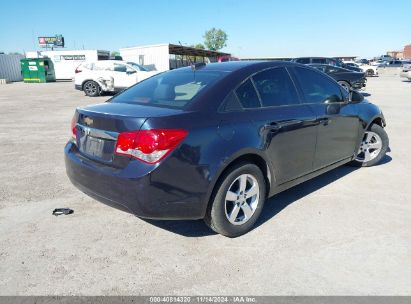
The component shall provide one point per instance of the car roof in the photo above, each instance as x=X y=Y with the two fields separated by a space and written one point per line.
x=315 y=57
x=322 y=64
x=232 y=66
x=110 y=61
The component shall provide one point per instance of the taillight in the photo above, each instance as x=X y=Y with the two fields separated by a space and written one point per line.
x=77 y=70
x=150 y=146
x=73 y=126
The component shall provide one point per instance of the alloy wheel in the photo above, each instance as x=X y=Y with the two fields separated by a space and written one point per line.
x=345 y=85
x=370 y=147
x=241 y=199
x=90 y=88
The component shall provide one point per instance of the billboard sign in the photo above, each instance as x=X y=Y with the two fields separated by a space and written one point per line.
x=56 y=41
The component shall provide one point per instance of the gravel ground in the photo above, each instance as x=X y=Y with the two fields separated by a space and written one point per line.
x=347 y=232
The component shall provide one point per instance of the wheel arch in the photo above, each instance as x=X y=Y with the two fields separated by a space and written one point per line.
x=379 y=120
x=85 y=80
x=247 y=157
x=346 y=81
x=370 y=70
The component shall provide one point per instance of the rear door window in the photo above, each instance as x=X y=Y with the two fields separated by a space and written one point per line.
x=333 y=69
x=275 y=88
x=317 y=88
x=120 y=68
x=247 y=95
x=103 y=66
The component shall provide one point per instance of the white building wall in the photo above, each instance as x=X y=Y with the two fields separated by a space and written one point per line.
x=66 y=62
x=155 y=57
x=10 y=68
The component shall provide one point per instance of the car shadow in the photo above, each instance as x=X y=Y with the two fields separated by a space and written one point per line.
x=277 y=203
x=189 y=228
x=272 y=206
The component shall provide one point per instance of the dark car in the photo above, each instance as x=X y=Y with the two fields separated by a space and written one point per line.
x=363 y=61
x=215 y=141
x=347 y=79
x=327 y=61
x=391 y=64
x=318 y=60
x=352 y=67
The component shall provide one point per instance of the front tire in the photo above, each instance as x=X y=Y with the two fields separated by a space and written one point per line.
x=346 y=86
x=373 y=147
x=91 y=88
x=237 y=201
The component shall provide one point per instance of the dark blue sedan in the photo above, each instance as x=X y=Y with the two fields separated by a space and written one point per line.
x=214 y=141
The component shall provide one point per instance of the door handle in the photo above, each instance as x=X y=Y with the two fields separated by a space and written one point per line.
x=276 y=126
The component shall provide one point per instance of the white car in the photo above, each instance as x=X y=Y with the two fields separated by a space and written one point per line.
x=406 y=71
x=108 y=76
x=369 y=70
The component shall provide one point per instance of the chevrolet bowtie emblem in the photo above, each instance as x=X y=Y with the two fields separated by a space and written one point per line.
x=88 y=121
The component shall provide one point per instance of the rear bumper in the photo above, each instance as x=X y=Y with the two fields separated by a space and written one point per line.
x=135 y=189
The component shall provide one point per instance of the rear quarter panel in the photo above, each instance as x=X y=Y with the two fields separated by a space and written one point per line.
x=211 y=145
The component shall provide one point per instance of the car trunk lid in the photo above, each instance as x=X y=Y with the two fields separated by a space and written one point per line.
x=98 y=126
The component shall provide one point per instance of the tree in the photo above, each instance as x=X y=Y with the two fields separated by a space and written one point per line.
x=215 y=39
x=199 y=46
x=115 y=53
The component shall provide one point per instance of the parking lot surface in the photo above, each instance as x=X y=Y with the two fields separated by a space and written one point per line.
x=347 y=232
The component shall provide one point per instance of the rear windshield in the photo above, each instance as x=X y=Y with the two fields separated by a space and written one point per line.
x=170 y=89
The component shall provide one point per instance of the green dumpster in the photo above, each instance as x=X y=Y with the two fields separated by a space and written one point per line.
x=37 y=70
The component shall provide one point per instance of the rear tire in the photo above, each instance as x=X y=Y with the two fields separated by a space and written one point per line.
x=373 y=147
x=346 y=86
x=370 y=72
x=91 y=88
x=237 y=201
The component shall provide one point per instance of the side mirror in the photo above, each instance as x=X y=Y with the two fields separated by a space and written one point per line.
x=356 y=97
x=131 y=72
x=333 y=99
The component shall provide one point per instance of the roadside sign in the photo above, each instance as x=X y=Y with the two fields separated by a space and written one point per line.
x=56 y=41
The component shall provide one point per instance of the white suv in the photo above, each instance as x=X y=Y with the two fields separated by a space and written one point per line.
x=108 y=76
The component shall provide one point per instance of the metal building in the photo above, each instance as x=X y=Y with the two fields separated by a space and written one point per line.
x=10 y=67
x=164 y=57
x=407 y=51
x=66 y=61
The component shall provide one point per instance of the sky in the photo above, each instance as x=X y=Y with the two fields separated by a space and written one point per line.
x=255 y=28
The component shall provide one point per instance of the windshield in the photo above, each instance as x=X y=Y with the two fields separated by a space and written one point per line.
x=332 y=69
x=318 y=67
x=170 y=89
x=137 y=66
